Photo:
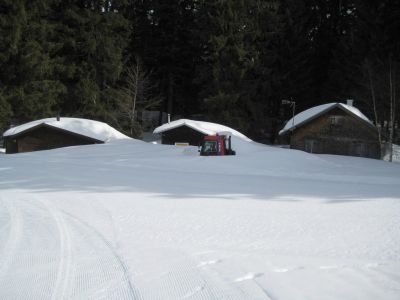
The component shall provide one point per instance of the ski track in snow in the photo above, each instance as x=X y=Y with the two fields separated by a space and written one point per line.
x=85 y=266
x=182 y=278
x=14 y=223
x=66 y=254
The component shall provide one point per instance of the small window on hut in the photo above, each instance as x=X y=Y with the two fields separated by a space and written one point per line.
x=336 y=120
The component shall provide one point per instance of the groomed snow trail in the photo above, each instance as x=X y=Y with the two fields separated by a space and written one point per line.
x=48 y=254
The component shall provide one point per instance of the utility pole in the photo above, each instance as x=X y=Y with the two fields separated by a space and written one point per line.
x=292 y=104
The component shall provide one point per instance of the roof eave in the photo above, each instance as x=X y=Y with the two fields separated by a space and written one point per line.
x=52 y=127
x=184 y=124
x=336 y=105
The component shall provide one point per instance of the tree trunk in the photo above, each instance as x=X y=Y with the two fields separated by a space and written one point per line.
x=392 y=105
x=134 y=91
x=373 y=96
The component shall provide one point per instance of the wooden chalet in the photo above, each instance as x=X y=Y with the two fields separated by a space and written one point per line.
x=54 y=133
x=190 y=132
x=333 y=128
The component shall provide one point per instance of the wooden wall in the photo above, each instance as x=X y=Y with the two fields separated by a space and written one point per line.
x=337 y=132
x=182 y=134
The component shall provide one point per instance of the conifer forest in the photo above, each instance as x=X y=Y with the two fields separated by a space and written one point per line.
x=227 y=61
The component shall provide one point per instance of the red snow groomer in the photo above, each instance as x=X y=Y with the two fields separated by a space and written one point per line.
x=215 y=145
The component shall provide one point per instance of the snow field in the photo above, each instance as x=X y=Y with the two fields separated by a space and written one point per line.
x=129 y=220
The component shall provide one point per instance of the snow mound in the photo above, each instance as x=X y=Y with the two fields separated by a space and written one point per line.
x=316 y=111
x=90 y=128
x=207 y=128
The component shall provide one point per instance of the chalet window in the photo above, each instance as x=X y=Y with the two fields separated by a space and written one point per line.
x=336 y=120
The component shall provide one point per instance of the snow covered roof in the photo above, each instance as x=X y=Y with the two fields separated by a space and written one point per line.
x=89 y=128
x=207 y=128
x=314 y=112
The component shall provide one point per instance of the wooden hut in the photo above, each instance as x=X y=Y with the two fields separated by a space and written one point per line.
x=53 y=133
x=333 y=128
x=190 y=132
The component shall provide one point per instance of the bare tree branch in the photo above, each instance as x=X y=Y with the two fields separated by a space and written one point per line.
x=137 y=95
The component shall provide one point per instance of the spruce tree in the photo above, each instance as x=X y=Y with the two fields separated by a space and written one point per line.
x=165 y=39
x=257 y=54
x=93 y=38
x=12 y=21
x=285 y=71
x=33 y=89
x=230 y=59
x=330 y=21
x=361 y=68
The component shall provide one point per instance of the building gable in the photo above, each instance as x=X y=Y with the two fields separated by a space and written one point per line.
x=337 y=123
x=313 y=113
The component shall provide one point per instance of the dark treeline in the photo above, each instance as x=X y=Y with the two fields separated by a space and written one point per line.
x=227 y=61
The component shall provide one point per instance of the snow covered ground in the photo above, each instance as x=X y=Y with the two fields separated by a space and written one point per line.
x=130 y=220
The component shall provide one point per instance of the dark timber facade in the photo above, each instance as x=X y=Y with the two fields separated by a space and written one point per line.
x=182 y=134
x=44 y=137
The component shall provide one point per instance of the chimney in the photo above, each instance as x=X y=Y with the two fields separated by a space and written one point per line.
x=58 y=117
x=350 y=102
x=169 y=118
